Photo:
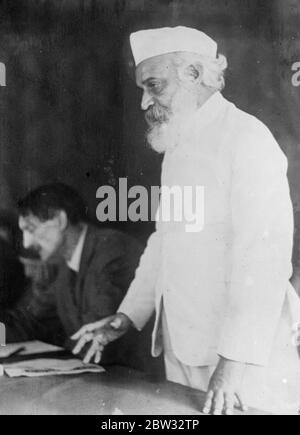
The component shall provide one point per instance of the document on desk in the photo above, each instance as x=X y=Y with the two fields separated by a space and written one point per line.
x=49 y=367
x=27 y=348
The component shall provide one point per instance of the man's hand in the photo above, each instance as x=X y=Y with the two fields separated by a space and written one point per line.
x=100 y=334
x=224 y=388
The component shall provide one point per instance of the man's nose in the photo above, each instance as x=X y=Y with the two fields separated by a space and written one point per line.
x=28 y=241
x=147 y=101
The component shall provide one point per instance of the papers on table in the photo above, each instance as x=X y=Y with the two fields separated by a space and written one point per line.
x=49 y=367
x=35 y=361
x=27 y=348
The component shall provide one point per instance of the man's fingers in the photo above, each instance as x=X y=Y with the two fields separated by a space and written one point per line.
x=208 y=402
x=91 y=327
x=82 y=342
x=98 y=357
x=241 y=404
x=218 y=403
x=229 y=404
x=100 y=348
x=100 y=345
x=79 y=333
x=103 y=339
x=92 y=351
x=84 y=330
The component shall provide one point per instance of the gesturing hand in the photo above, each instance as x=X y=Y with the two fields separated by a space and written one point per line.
x=100 y=334
x=224 y=388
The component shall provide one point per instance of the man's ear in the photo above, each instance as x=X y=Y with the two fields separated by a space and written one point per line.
x=62 y=219
x=192 y=73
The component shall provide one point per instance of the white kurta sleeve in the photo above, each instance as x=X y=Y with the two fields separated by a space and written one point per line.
x=262 y=238
x=139 y=303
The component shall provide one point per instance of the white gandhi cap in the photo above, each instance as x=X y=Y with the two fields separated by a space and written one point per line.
x=155 y=42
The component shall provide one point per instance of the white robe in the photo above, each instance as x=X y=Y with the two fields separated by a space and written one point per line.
x=225 y=288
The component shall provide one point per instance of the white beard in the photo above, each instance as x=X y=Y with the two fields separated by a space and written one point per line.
x=167 y=136
x=162 y=137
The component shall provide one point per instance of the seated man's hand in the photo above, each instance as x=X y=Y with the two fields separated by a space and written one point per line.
x=224 y=388
x=100 y=334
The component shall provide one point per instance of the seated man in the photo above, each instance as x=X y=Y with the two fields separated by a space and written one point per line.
x=96 y=267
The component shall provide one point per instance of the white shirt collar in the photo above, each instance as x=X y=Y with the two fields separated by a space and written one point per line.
x=191 y=130
x=74 y=263
x=211 y=109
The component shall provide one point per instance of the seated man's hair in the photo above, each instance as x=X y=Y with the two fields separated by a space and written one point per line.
x=46 y=201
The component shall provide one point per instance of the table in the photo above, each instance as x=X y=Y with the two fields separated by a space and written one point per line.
x=117 y=391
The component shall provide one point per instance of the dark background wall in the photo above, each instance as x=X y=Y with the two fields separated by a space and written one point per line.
x=70 y=111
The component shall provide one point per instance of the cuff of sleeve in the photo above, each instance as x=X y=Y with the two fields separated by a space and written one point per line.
x=246 y=340
x=138 y=321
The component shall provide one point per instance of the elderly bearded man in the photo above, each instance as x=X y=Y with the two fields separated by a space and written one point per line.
x=222 y=296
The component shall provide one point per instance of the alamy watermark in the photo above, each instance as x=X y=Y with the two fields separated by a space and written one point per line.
x=161 y=204
x=296 y=75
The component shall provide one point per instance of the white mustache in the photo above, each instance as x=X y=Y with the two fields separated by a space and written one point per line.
x=157 y=115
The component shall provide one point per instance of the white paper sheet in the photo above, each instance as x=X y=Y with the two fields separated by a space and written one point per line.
x=50 y=367
x=30 y=348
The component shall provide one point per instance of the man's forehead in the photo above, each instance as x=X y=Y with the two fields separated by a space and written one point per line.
x=155 y=67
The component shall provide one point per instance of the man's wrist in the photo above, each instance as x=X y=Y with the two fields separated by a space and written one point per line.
x=133 y=321
x=127 y=319
x=234 y=365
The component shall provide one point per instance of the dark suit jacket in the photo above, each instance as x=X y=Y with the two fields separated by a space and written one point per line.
x=12 y=276
x=108 y=264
